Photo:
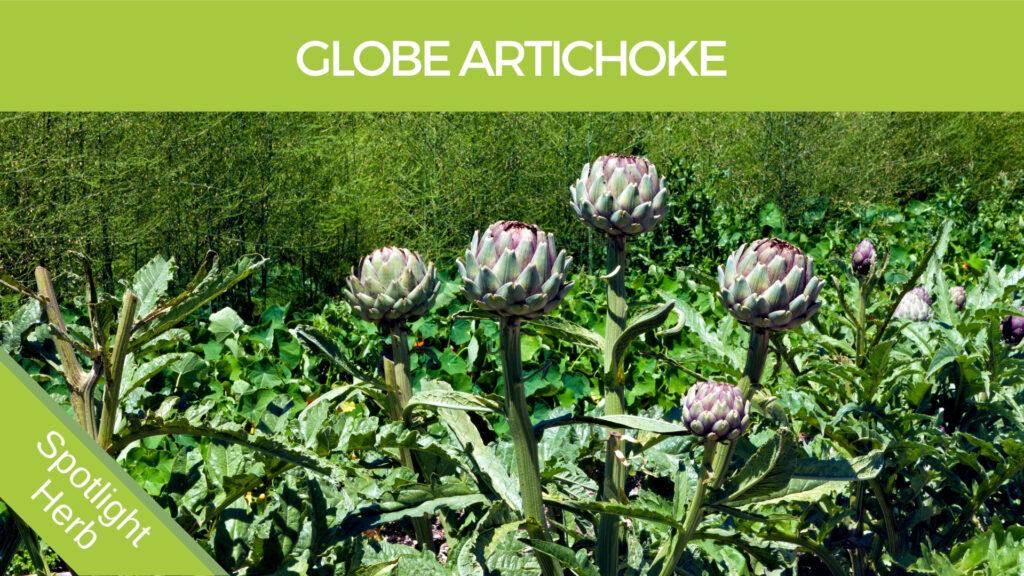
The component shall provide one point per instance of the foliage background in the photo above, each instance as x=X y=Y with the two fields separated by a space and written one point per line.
x=315 y=191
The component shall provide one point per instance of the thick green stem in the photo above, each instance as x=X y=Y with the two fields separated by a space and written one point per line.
x=115 y=369
x=694 y=512
x=757 y=355
x=398 y=381
x=862 y=328
x=523 y=439
x=81 y=385
x=614 y=404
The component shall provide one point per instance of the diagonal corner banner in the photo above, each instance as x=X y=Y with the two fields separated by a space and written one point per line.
x=77 y=498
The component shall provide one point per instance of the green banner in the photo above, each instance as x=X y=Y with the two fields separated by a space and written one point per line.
x=467 y=56
x=77 y=498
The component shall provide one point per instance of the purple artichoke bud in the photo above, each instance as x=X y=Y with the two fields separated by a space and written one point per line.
x=620 y=195
x=769 y=284
x=915 y=306
x=393 y=285
x=1013 y=329
x=716 y=408
x=958 y=296
x=863 y=257
x=515 y=270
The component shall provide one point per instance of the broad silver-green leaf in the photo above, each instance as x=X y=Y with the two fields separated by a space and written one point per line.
x=767 y=471
x=150 y=283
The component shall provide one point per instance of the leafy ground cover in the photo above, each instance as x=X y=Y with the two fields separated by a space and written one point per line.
x=885 y=430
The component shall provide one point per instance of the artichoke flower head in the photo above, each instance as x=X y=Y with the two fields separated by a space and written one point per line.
x=515 y=270
x=716 y=409
x=620 y=195
x=863 y=257
x=769 y=284
x=958 y=296
x=1012 y=328
x=915 y=306
x=393 y=285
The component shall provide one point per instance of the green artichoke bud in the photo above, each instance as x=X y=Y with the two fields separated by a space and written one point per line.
x=716 y=408
x=393 y=285
x=915 y=306
x=958 y=296
x=515 y=270
x=620 y=195
x=769 y=284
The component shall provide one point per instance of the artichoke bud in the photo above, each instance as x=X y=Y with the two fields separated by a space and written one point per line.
x=1013 y=329
x=620 y=195
x=915 y=306
x=515 y=270
x=863 y=257
x=393 y=285
x=716 y=409
x=958 y=296
x=769 y=284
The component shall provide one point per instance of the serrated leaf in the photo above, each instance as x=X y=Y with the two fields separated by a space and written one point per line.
x=646 y=319
x=319 y=344
x=150 y=283
x=467 y=435
x=216 y=282
x=767 y=471
x=453 y=400
x=563 y=330
x=578 y=561
x=861 y=468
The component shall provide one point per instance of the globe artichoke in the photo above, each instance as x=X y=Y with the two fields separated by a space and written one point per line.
x=863 y=257
x=393 y=285
x=915 y=306
x=958 y=296
x=620 y=195
x=769 y=284
x=515 y=270
x=716 y=408
x=1013 y=329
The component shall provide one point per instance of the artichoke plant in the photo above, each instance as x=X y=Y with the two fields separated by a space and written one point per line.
x=769 y=284
x=1013 y=329
x=958 y=296
x=620 y=195
x=716 y=409
x=863 y=257
x=515 y=270
x=393 y=285
x=915 y=306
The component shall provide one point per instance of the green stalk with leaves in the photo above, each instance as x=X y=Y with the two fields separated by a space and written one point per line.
x=395 y=286
x=514 y=270
x=621 y=196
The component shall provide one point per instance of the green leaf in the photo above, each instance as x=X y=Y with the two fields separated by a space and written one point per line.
x=861 y=468
x=150 y=283
x=577 y=561
x=378 y=513
x=639 y=423
x=215 y=283
x=378 y=569
x=646 y=319
x=225 y=322
x=438 y=398
x=767 y=471
x=634 y=510
x=563 y=330
x=317 y=343
x=468 y=436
